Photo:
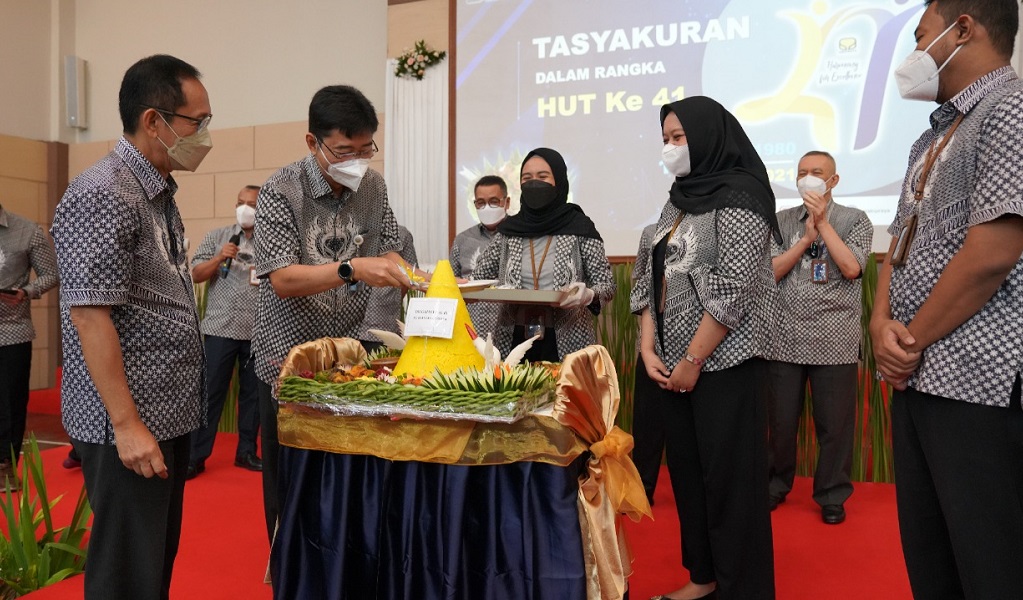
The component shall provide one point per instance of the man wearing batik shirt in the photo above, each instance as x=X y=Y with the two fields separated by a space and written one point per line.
x=947 y=325
x=325 y=235
x=132 y=390
x=225 y=259
x=23 y=247
x=817 y=337
x=491 y=202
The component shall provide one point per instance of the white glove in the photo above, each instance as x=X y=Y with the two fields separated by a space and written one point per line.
x=577 y=295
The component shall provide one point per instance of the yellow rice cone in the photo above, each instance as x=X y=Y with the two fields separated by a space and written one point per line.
x=422 y=354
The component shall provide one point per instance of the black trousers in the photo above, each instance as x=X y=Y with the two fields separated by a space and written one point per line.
x=716 y=442
x=137 y=522
x=648 y=428
x=833 y=391
x=271 y=454
x=15 y=369
x=221 y=354
x=959 y=490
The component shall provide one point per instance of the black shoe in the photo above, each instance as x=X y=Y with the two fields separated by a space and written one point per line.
x=774 y=501
x=833 y=514
x=194 y=469
x=249 y=461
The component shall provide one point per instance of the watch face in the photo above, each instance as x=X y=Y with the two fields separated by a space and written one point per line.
x=344 y=271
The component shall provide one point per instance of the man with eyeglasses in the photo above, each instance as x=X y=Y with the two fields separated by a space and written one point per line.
x=491 y=201
x=132 y=390
x=324 y=235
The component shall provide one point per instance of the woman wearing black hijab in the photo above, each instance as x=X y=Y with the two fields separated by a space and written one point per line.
x=705 y=298
x=549 y=245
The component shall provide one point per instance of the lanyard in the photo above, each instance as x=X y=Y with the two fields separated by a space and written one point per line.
x=932 y=156
x=532 y=260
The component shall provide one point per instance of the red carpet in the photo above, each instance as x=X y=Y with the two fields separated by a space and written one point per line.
x=224 y=550
x=861 y=558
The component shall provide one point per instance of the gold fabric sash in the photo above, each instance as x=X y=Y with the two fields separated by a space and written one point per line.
x=586 y=401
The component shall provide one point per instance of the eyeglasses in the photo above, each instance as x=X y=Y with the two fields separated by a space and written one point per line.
x=492 y=203
x=351 y=155
x=200 y=124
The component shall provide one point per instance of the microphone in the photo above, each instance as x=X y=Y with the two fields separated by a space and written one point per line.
x=225 y=267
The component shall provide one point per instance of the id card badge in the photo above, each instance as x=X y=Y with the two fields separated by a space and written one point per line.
x=819 y=271
x=901 y=252
x=253 y=280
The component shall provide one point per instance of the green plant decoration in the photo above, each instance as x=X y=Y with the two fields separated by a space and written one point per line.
x=617 y=330
x=229 y=416
x=28 y=563
x=415 y=62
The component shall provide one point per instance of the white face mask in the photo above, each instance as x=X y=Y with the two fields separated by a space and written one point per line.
x=491 y=215
x=917 y=76
x=246 y=216
x=810 y=183
x=348 y=173
x=676 y=159
x=189 y=151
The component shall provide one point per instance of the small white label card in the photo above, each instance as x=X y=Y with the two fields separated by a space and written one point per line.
x=431 y=317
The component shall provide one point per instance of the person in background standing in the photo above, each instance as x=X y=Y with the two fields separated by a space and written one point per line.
x=225 y=259
x=817 y=267
x=491 y=202
x=23 y=248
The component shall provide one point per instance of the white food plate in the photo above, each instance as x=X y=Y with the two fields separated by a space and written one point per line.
x=476 y=285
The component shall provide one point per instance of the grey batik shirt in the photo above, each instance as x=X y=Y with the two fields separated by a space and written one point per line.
x=120 y=243
x=820 y=323
x=230 y=300
x=976 y=179
x=300 y=221
x=23 y=248
x=465 y=251
x=718 y=262
x=574 y=258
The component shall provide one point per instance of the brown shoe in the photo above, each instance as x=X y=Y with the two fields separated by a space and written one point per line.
x=8 y=477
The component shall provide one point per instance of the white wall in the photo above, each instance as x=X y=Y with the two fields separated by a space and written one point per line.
x=25 y=68
x=261 y=60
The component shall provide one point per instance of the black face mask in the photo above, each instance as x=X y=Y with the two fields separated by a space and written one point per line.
x=537 y=195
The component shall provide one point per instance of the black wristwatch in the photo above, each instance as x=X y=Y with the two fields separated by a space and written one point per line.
x=346 y=272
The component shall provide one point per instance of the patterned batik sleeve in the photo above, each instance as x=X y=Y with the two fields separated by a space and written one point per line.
x=725 y=290
x=408 y=248
x=390 y=236
x=454 y=257
x=207 y=248
x=94 y=234
x=777 y=249
x=999 y=175
x=488 y=264
x=597 y=269
x=639 y=298
x=44 y=263
x=860 y=239
x=276 y=241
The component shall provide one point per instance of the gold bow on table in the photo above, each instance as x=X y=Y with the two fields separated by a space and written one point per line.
x=586 y=401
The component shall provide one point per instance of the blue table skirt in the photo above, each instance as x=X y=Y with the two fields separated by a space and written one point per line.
x=362 y=527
